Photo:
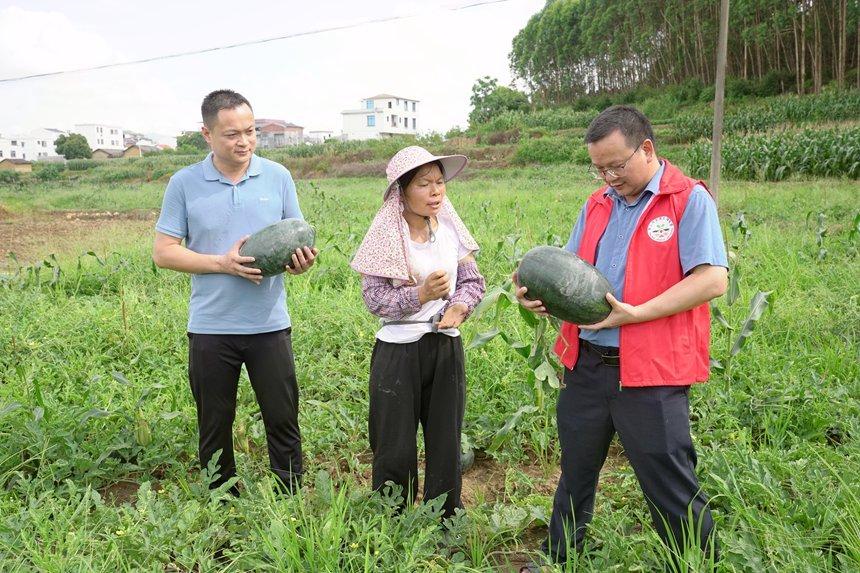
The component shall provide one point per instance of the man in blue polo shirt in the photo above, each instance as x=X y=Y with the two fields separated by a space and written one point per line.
x=236 y=316
x=654 y=233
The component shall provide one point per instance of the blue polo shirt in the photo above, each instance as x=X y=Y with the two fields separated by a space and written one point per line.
x=211 y=213
x=700 y=241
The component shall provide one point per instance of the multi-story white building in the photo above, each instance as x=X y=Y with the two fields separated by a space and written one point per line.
x=101 y=136
x=13 y=147
x=43 y=139
x=34 y=146
x=382 y=115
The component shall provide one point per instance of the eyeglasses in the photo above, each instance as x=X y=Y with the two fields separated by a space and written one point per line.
x=612 y=172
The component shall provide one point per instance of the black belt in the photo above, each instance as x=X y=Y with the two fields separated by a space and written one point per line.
x=609 y=355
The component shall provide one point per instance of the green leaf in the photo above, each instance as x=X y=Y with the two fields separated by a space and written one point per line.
x=852 y=235
x=481 y=339
x=11 y=407
x=504 y=433
x=546 y=372
x=94 y=413
x=720 y=317
x=760 y=303
x=97 y=258
x=540 y=330
x=519 y=347
x=491 y=299
x=528 y=316
x=504 y=302
x=716 y=365
x=120 y=378
x=734 y=285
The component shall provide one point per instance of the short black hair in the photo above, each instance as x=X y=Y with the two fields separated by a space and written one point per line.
x=218 y=100
x=407 y=177
x=631 y=122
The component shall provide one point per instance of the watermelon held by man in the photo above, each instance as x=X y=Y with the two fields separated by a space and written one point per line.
x=272 y=247
x=569 y=288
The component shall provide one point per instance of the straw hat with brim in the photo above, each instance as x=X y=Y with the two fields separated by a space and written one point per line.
x=414 y=156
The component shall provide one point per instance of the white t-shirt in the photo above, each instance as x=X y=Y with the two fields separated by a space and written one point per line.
x=425 y=258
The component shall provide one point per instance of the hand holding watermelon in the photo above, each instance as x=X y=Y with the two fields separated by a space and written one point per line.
x=303 y=259
x=234 y=263
x=621 y=314
x=535 y=306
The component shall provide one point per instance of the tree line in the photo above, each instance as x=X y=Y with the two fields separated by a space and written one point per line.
x=573 y=48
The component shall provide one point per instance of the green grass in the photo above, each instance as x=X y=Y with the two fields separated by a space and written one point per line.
x=63 y=196
x=93 y=358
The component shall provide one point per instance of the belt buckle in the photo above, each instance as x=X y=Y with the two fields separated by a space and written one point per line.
x=434 y=322
x=610 y=359
x=607 y=359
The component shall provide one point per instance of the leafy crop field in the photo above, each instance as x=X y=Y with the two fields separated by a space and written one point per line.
x=98 y=428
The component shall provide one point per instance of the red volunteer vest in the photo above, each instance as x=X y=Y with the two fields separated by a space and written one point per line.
x=670 y=351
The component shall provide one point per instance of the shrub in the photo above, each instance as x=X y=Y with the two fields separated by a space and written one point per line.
x=550 y=119
x=81 y=164
x=454 y=132
x=546 y=150
x=50 y=171
x=659 y=108
x=9 y=177
x=502 y=137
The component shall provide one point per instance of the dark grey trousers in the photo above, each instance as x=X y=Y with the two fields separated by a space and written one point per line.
x=654 y=426
x=214 y=364
x=418 y=382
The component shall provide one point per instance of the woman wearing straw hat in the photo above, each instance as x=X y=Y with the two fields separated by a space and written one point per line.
x=420 y=277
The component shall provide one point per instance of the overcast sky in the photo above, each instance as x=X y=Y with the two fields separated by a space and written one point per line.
x=434 y=57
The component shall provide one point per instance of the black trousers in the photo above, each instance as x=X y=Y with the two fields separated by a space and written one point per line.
x=422 y=381
x=654 y=426
x=214 y=364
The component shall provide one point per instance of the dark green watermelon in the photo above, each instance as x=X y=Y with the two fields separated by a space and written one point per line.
x=570 y=288
x=272 y=247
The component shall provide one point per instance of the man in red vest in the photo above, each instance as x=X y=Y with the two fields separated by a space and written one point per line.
x=654 y=233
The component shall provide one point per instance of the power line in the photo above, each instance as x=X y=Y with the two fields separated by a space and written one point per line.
x=243 y=44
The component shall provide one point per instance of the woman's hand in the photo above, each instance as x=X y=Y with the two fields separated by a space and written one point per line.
x=435 y=286
x=454 y=316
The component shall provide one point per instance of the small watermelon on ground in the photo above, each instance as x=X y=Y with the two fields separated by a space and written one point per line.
x=569 y=288
x=272 y=247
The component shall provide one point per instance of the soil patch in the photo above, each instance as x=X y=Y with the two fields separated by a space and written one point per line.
x=120 y=492
x=35 y=236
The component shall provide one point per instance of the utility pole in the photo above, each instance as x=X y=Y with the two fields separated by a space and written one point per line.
x=719 y=98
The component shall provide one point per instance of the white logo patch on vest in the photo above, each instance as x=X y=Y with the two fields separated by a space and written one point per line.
x=661 y=229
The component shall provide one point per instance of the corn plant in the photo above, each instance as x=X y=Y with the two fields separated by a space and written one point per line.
x=770 y=113
x=820 y=234
x=777 y=156
x=760 y=302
